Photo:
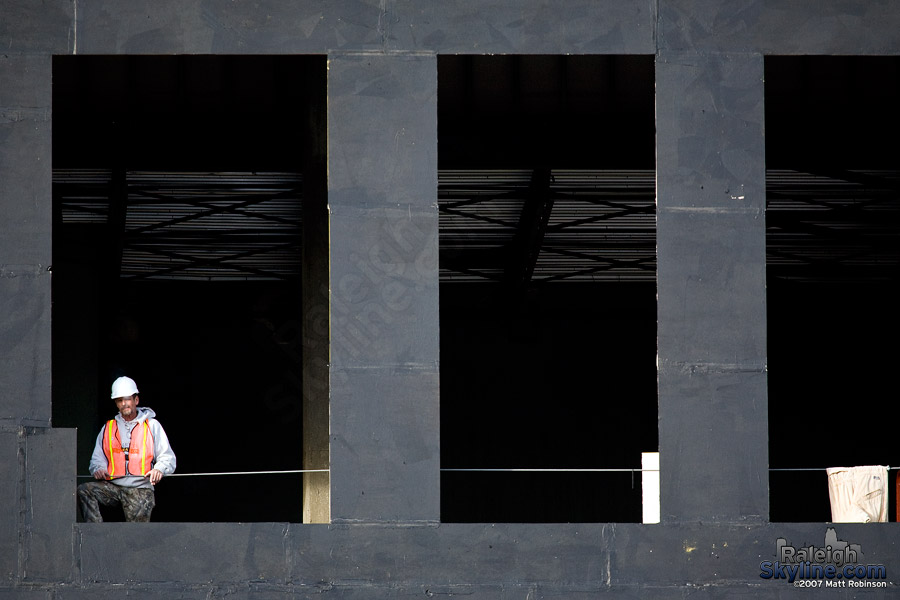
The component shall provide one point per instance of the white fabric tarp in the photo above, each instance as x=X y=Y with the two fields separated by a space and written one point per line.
x=858 y=494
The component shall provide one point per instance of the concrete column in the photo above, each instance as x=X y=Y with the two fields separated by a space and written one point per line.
x=25 y=254
x=711 y=280
x=48 y=506
x=382 y=178
x=25 y=238
x=316 y=486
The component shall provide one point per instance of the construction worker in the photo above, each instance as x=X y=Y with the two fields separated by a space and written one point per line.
x=131 y=456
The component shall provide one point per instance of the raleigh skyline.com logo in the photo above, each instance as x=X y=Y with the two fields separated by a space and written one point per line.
x=835 y=564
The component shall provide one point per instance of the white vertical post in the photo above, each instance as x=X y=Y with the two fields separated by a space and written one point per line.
x=650 y=486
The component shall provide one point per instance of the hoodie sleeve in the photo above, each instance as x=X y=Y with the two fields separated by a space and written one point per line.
x=164 y=456
x=98 y=459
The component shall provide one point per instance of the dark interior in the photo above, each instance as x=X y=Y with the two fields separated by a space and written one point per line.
x=548 y=286
x=548 y=295
x=177 y=251
x=833 y=245
x=144 y=290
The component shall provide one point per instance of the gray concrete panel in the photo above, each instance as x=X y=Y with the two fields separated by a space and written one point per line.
x=26 y=594
x=10 y=493
x=781 y=26
x=25 y=232
x=731 y=553
x=384 y=288
x=382 y=181
x=713 y=445
x=25 y=344
x=868 y=536
x=711 y=289
x=719 y=555
x=524 y=27
x=206 y=26
x=50 y=504
x=189 y=553
x=210 y=26
x=469 y=26
x=368 y=591
x=25 y=196
x=37 y=27
x=25 y=94
x=384 y=222
x=382 y=130
x=385 y=444
x=149 y=591
x=213 y=26
x=622 y=560
x=710 y=134
x=443 y=556
x=25 y=170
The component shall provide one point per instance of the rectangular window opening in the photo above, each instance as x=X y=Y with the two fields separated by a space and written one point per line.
x=547 y=200
x=832 y=237
x=179 y=192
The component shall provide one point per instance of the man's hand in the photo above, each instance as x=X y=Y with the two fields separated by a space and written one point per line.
x=101 y=474
x=155 y=475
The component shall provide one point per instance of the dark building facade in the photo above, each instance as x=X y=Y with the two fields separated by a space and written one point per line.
x=390 y=519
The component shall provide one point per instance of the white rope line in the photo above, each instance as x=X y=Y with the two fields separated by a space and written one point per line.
x=550 y=470
x=249 y=473
x=485 y=470
x=233 y=473
x=636 y=470
x=821 y=468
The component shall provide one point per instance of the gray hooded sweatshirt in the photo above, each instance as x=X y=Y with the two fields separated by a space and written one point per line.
x=163 y=456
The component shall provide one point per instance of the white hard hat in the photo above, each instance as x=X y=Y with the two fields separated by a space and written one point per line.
x=123 y=386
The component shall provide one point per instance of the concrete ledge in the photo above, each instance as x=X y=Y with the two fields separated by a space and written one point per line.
x=381 y=559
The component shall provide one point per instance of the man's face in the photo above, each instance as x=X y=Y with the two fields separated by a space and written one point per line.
x=127 y=406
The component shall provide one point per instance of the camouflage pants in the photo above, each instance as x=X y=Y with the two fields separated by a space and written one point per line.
x=137 y=503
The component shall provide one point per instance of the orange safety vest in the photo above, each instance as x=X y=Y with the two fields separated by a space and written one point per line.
x=137 y=459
